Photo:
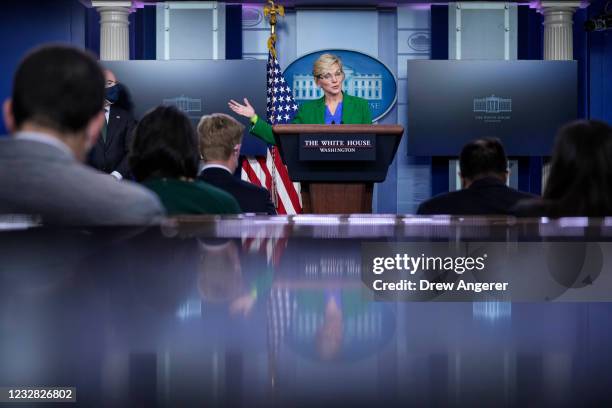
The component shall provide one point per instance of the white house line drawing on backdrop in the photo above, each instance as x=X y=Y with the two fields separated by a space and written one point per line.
x=492 y=104
x=185 y=103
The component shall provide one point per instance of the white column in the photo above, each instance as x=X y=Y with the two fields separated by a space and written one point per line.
x=558 y=40
x=558 y=22
x=114 y=30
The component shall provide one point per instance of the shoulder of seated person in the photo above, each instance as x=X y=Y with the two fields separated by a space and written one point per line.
x=250 y=185
x=212 y=188
x=132 y=192
x=530 y=207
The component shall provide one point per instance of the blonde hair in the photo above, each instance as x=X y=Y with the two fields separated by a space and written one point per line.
x=218 y=134
x=323 y=64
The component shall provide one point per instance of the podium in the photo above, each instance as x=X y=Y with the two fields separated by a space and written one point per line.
x=337 y=165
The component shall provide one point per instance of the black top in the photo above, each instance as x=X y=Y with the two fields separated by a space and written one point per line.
x=485 y=196
x=111 y=154
x=252 y=198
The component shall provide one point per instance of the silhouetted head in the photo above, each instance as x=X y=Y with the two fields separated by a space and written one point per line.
x=165 y=145
x=483 y=158
x=58 y=90
x=580 y=180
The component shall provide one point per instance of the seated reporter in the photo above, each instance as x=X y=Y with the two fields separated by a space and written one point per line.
x=580 y=179
x=220 y=140
x=484 y=172
x=335 y=107
x=55 y=115
x=165 y=159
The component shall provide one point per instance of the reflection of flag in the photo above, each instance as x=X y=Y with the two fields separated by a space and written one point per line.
x=281 y=309
x=270 y=171
x=272 y=248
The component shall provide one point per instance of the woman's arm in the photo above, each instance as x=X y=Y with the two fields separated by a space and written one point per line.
x=263 y=130
x=259 y=126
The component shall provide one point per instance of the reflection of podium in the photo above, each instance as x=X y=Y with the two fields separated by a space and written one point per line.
x=338 y=164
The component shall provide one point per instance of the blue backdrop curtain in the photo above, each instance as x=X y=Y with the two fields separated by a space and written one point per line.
x=599 y=67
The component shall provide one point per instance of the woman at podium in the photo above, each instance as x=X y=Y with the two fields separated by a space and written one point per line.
x=335 y=107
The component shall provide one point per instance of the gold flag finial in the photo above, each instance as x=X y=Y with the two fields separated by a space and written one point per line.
x=271 y=11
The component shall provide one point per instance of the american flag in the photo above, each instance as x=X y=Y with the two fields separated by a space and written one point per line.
x=270 y=171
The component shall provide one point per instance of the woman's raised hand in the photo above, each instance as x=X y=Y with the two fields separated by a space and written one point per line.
x=243 y=110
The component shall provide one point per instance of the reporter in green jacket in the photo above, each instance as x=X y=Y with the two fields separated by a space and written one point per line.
x=335 y=107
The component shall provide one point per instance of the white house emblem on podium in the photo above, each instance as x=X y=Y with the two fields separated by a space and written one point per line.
x=492 y=104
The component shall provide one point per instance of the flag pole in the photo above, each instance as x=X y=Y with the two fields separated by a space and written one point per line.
x=272 y=11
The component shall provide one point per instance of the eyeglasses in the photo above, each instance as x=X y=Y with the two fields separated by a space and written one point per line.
x=329 y=75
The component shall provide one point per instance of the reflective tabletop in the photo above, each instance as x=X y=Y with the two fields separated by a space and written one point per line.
x=273 y=311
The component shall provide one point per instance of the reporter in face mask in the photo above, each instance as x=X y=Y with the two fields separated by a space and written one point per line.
x=110 y=153
x=111 y=90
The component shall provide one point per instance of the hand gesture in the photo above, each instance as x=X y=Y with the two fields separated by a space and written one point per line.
x=245 y=110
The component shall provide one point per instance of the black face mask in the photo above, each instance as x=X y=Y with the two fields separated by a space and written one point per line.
x=111 y=94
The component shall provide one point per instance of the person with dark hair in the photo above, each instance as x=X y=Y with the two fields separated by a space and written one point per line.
x=55 y=115
x=110 y=153
x=165 y=158
x=220 y=140
x=483 y=170
x=580 y=178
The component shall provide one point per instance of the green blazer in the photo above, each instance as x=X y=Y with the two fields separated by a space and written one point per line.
x=355 y=111
x=192 y=197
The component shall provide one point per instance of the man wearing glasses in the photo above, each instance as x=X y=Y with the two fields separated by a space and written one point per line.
x=335 y=107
